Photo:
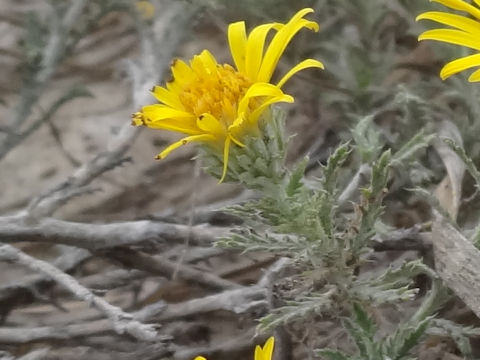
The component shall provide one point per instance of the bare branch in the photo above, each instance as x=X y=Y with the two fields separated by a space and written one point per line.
x=102 y=236
x=161 y=266
x=456 y=261
x=403 y=239
x=122 y=322
x=25 y=291
x=238 y=301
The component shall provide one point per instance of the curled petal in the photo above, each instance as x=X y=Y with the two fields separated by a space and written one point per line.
x=281 y=40
x=255 y=115
x=305 y=64
x=226 y=152
x=236 y=129
x=256 y=90
x=459 y=65
x=475 y=77
x=184 y=141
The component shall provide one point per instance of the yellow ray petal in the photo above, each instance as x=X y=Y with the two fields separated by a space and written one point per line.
x=258 y=353
x=255 y=46
x=167 y=97
x=456 y=37
x=305 y=64
x=460 y=5
x=175 y=125
x=204 y=63
x=235 y=140
x=208 y=59
x=475 y=76
x=184 y=141
x=210 y=124
x=156 y=112
x=457 y=21
x=226 y=152
x=459 y=65
x=268 y=349
x=200 y=358
x=281 y=40
x=237 y=39
x=181 y=72
x=256 y=90
x=237 y=129
x=255 y=115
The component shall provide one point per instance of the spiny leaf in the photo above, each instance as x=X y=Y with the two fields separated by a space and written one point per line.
x=407 y=336
x=418 y=142
x=297 y=310
x=363 y=320
x=380 y=173
x=367 y=138
x=360 y=338
x=335 y=161
x=295 y=180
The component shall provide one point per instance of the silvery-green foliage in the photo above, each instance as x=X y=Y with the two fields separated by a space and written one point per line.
x=362 y=330
x=459 y=333
x=395 y=284
x=367 y=138
x=307 y=224
x=300 y=308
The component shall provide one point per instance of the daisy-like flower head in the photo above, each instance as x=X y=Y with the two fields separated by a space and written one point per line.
x=218 y=104
x=464 y=31
x=261 y=353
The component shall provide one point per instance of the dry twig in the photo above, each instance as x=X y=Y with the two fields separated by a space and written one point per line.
x=122 y=322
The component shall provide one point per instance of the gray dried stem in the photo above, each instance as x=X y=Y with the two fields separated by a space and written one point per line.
x=103 y=236
x=121 y=321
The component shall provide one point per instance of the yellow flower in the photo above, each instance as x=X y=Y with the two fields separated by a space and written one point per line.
x=146 y=9
x=465 y=32
x=264 y=353
x=217 y=104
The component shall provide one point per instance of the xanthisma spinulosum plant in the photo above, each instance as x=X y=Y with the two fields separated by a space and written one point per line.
x=325 y=225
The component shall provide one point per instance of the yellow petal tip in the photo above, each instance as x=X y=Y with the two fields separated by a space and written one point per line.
x=138 y=119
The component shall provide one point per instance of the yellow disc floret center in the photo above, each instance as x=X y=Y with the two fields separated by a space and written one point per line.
x=217 y=93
